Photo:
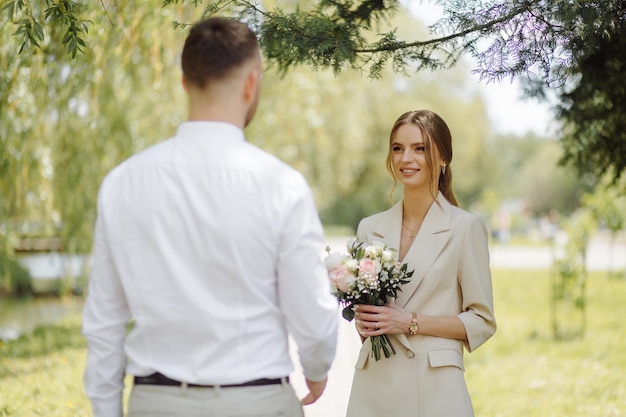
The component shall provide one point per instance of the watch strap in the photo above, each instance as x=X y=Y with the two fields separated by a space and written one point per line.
x=414 y=327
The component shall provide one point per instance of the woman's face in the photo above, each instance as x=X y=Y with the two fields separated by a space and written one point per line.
x=408 y=157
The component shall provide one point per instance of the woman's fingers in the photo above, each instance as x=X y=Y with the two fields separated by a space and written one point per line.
x=376 y=320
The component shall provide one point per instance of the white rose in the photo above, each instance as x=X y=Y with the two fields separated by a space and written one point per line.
x=352 y=264
x=333 y=260
x=371 y=251
x=388 y=255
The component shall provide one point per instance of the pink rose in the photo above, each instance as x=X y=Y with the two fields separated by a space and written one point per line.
x=341 y=277
x=368 y=270
x=368 y=266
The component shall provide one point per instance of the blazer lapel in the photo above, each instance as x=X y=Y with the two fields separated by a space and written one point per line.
x=387 y=230
x=428 y=244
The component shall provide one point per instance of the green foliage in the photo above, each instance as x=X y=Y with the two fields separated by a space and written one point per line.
x=608 y=205
x=28 y=28
x=61 y=14
x=14 y=279
x=528 y=167
x=43 y=340
x=64 y=123
x=548 y=186
x=573 y=48
x=568 y=296
x=593 y=108
x=335 y=130
x=64 y=13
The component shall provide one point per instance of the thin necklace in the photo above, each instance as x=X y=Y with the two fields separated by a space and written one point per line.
x=413 y=232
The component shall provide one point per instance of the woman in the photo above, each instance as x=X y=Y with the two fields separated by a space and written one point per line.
x=447 y=304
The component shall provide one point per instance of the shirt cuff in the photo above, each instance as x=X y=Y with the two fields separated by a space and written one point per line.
x=111 y=408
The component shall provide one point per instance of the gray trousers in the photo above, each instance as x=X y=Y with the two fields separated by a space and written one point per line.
x=262 y=401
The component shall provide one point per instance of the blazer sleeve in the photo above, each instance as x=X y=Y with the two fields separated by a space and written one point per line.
x=475 y=281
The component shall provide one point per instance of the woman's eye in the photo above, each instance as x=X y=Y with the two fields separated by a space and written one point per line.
x=420 y=148
x=396 y=149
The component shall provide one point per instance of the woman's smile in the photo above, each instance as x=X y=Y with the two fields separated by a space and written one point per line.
x=409 y=171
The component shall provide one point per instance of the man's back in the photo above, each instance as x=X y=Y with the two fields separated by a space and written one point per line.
x=212 y=240
x=211 y=248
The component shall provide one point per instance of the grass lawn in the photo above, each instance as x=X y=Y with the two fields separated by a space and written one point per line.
x=521 y=372
x=524 y=372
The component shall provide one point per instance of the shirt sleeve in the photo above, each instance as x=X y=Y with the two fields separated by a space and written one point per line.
x=475 y=281
x=304 y=289
x=105 y=316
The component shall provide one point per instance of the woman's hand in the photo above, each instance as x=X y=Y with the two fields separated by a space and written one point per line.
x=375 y=320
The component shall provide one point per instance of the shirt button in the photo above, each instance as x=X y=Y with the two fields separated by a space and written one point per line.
x=410 y=354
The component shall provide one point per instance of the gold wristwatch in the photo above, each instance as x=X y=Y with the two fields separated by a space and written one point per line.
x=414 y=327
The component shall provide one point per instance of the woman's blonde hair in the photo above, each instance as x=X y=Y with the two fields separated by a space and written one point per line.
x=435 y=133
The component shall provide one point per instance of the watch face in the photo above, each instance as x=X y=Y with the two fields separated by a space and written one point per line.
x=413 y=328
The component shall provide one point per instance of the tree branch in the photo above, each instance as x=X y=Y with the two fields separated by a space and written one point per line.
x=397 y=46
x=106 y=12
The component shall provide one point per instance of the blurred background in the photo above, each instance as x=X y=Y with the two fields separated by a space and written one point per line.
x=66 y=121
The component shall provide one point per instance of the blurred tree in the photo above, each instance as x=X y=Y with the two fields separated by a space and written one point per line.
x=548 y=186
x=593 y=109
x=64 y=123
x=335 y=129
x=608 y=204
x=513 y=152
x=527 y=167
x=568 y=297
x=575 y=47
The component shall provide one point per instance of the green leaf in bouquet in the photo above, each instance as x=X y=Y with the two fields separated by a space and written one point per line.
x=348 y=313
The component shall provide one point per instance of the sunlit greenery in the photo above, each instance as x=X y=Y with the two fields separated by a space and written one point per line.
x=521 y=372
x=65 y=122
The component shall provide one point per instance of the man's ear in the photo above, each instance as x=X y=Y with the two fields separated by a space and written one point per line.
x=251 y=84
x=184 y=83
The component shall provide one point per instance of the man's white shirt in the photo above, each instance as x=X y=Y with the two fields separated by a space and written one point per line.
x=211 y=247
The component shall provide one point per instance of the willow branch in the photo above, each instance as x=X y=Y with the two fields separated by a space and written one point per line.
x=106 y=12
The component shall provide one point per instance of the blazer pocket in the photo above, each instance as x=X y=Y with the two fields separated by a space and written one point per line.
x=445 y=357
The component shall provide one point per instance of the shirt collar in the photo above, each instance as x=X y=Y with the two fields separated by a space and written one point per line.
x=203 y=129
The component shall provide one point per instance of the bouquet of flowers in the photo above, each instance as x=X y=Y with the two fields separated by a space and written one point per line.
x=368 y=274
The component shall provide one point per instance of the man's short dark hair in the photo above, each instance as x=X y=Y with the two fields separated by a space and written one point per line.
x=214 y=48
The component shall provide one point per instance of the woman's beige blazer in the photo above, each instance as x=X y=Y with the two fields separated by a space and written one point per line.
x=450 y=259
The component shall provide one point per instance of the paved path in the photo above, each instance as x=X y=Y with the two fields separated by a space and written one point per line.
x=335 y=399
x=601 y=255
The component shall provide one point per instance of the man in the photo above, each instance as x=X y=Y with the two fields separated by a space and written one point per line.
x=208 y=249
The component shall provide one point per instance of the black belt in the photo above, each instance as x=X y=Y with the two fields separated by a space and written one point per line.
x=160 y=379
